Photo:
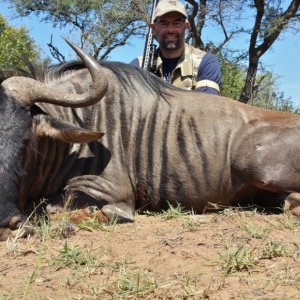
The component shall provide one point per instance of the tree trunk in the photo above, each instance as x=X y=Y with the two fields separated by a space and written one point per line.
x=269 y=35
x=249 y=86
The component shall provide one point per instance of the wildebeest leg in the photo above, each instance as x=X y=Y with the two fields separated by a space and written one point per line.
x=111 y=192
x=79 y=206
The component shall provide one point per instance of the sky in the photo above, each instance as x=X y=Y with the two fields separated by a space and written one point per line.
x=283 y=59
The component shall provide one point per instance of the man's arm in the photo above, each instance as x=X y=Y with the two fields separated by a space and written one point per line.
x=209 y=77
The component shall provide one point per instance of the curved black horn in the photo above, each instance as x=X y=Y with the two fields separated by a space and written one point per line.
x=89 y=61
x=29 y=91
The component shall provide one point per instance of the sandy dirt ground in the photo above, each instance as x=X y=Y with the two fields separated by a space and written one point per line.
x=231 y=254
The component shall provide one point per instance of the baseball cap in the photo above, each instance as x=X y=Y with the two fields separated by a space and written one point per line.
x=166 y=6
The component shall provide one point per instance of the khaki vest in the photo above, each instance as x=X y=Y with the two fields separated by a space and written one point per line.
x=185 y=73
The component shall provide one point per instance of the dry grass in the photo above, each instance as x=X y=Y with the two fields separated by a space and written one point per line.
x=233 y=254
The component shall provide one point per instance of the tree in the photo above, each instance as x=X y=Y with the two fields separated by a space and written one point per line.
x=233 y=79
x=269 y=24
x=100 y=26
x=267 y=96
x=263 y=21
x=265 y=92
x=16 y=46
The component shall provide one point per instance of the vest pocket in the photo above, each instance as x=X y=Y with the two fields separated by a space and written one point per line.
x=184 y=83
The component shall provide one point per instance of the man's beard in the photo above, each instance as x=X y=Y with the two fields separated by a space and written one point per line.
x=170 y=45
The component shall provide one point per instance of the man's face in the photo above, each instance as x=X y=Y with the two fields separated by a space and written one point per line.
x=169 y=30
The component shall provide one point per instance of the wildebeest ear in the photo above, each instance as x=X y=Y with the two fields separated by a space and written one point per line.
x=64 y=131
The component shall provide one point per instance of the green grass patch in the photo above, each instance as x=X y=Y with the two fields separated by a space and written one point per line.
x=174 y=212
x=74 y=257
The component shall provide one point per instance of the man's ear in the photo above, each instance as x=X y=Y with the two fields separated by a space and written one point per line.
x=57 y=129
x=187 y=24
x=152 y=26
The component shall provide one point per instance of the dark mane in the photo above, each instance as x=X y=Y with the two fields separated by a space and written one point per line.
x=40 y=72
x=56 y=71
x=32 y=70
x=126 y=74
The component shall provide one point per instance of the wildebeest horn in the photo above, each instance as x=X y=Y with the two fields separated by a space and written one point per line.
x=28 y=91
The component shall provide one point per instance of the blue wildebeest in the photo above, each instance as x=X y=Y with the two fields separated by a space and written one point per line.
x=160 y=144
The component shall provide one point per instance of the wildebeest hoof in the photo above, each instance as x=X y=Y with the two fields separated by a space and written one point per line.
x=54 y=209
x=115 y=213
x=24 y=230
x=292 y=204
x=18 y=227
x=16 y=221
